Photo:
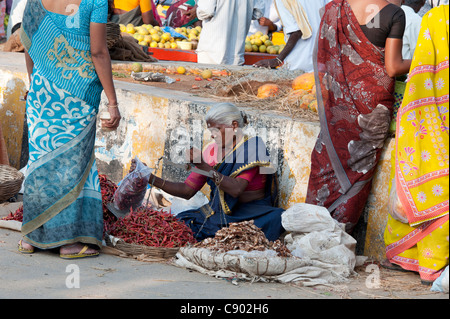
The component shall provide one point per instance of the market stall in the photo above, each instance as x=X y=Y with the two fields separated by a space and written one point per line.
x=168 y=44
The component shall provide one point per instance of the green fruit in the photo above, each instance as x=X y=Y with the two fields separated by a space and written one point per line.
x=136 y=67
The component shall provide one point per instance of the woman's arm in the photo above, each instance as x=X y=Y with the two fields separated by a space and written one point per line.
x=175 y=189
x=232 y=186
x=394 y=62
x=30 y=64
x=149 y=18
x=102 y=63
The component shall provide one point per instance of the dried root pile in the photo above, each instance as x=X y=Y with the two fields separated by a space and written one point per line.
x=243 y=236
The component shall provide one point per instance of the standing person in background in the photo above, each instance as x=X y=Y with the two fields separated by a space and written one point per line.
x=413 y=21
x=359 y=54
x=300 y=20
x=430 y=4
x=225 y=26
x=182 y=13
x=270 y=22
x=15 y=17
x=62 y=202
x=136 y=12
x=417 y=231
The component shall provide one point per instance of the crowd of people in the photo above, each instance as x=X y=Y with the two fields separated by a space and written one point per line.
x=356 y=48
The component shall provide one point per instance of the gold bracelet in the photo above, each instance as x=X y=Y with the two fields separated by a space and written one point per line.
x=164 y=183
x=113 y=106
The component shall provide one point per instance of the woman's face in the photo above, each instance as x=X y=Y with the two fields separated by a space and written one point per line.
x=223 y=135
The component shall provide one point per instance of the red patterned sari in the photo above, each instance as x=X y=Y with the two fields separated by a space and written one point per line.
x=355 y=98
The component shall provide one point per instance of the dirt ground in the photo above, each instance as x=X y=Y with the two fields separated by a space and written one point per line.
x=114 y=276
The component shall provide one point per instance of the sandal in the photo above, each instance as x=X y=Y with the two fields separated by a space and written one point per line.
x=80 y=254
x=24 y=250
x=426 y=282
x=388 y=265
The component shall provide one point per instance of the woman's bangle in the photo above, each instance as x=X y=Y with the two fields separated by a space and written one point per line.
x=279 y=61
x=113 y=106
x=217 y=178
x=164 y=183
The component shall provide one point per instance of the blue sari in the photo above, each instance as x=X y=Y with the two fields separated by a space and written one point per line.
x=62 y=199
x=224 y=209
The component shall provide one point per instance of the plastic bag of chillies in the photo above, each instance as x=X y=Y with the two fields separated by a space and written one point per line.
x=132 y=189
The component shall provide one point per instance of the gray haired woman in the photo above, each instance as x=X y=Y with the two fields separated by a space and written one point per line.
x=240 y=189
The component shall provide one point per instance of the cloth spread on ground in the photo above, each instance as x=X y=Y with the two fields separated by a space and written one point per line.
x=324 y=253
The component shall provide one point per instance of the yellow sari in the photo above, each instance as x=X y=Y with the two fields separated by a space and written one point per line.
x=422 y=156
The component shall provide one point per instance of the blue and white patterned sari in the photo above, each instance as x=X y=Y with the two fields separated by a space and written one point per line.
x=62 y=198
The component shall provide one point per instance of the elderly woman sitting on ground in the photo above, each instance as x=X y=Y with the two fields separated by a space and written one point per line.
x=242 y=185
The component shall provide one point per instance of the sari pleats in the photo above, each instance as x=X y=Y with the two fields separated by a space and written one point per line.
x=355 y=98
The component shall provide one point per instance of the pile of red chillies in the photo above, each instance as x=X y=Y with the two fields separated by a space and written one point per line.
x=108 y=189
x=142 y=226
x=18 y=215
x=148 y=227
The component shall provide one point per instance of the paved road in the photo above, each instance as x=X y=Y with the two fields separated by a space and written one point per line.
x=45 y=275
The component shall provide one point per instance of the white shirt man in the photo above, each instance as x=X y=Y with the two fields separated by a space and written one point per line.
x=413 y=22
x=16 y=16
x=225 y=27
x=412 y=29
x=270 y=13
x=301 y=56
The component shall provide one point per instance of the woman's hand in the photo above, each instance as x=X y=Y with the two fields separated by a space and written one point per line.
x=133 y=166
x=268 y=63
x=114 y=121
x=192 y=13
x=196 y=158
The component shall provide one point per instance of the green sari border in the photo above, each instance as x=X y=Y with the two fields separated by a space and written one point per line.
x=81 y=239
x=60 y=205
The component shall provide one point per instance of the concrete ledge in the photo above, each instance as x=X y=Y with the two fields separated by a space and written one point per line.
x=151 y=120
